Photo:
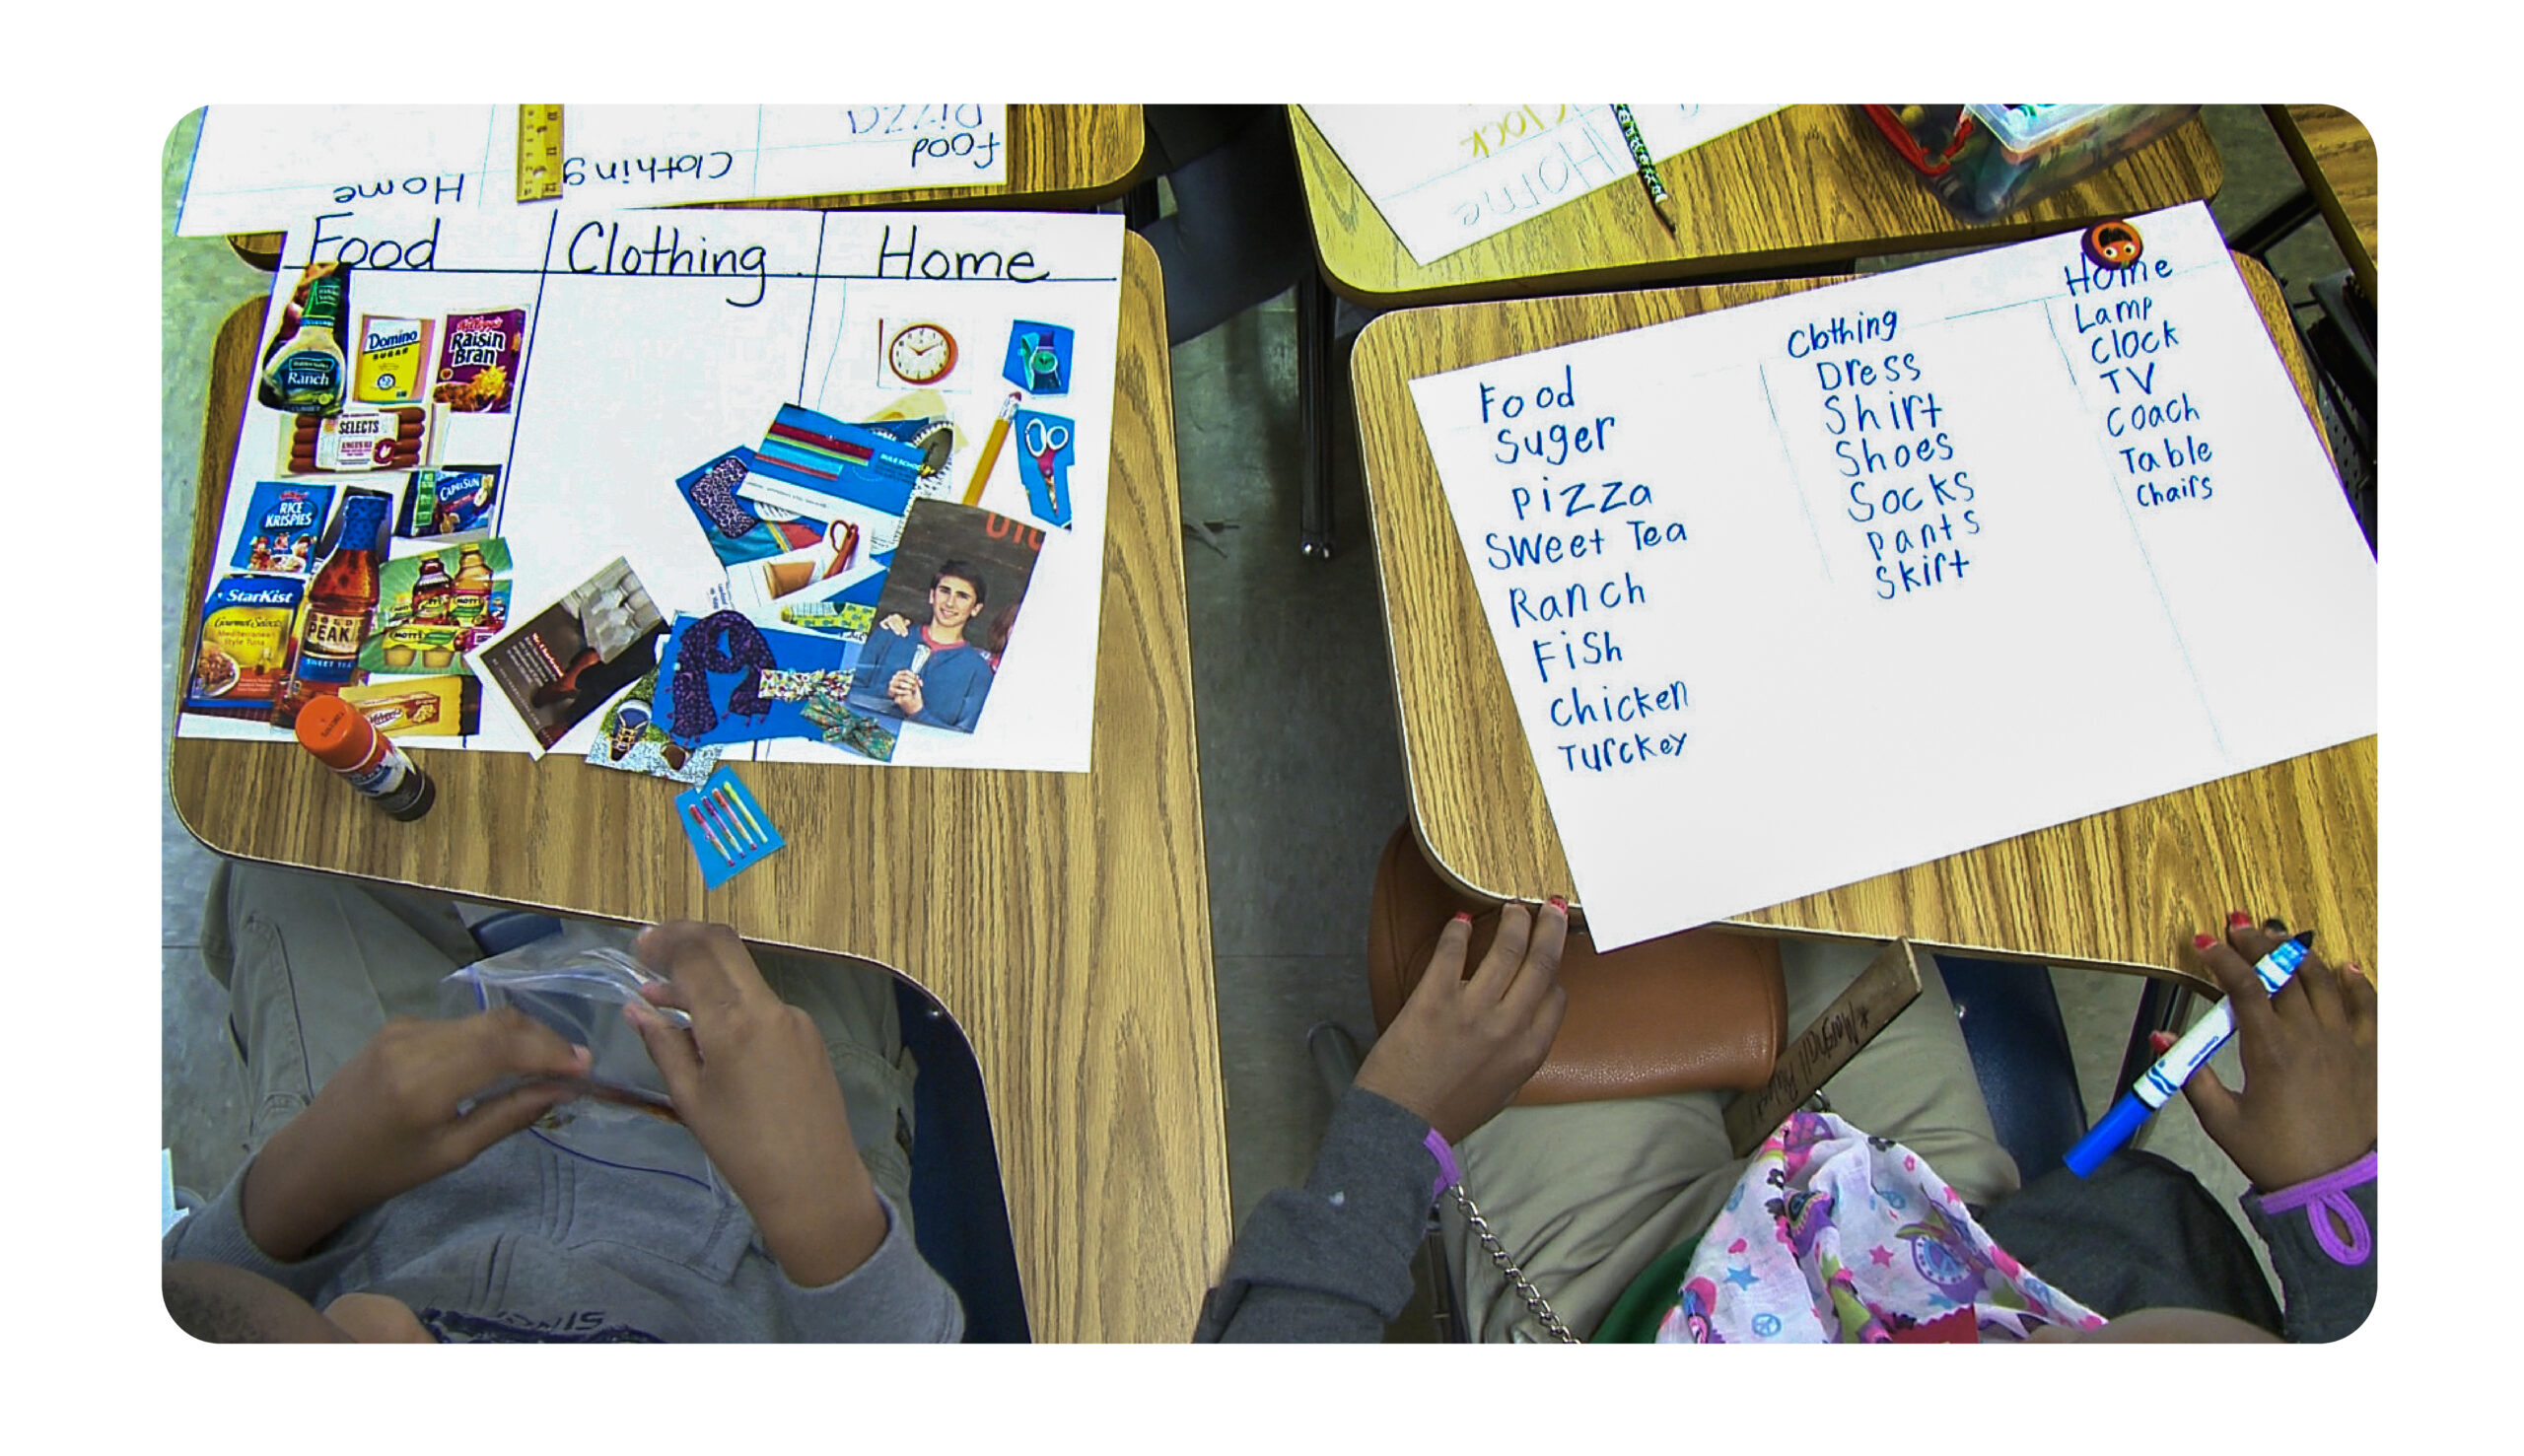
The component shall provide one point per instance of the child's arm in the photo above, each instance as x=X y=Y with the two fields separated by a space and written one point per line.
x=1332 y=1262
x=2303 y=1127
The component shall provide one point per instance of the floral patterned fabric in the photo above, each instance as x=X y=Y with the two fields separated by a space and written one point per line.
x=1833 y=1235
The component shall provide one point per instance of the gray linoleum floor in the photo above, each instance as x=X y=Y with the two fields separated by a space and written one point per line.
x=1300 y=769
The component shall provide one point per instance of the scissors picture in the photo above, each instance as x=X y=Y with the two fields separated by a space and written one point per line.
x=1045 y=441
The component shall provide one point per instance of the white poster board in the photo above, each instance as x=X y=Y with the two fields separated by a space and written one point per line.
x=1825 y=587
x=273 y=169
x=657 y=341
x=1444 y=178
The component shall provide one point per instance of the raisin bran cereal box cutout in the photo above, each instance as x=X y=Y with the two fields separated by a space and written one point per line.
x=477 y=363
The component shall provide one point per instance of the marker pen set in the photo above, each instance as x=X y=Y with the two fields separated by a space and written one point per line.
x=727 y=826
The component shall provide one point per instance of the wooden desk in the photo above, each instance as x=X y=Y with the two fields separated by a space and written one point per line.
x=1804 y=190
x=1058 y=157
x=2119 y=891
x=1063 y=919
x=2337 y=158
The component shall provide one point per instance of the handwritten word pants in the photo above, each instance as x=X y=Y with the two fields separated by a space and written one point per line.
x=1586 y=1194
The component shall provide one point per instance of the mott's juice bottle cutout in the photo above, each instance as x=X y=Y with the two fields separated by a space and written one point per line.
x=339 y=603
x=393 y=359
x=472 y=596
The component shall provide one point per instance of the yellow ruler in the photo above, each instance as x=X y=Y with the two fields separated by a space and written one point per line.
x=539 y=152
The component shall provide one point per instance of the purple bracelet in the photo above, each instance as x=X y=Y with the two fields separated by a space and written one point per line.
x=2331 y=1192
x=1449 y=1175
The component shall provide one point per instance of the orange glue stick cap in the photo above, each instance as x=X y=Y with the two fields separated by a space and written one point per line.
x=336 y=733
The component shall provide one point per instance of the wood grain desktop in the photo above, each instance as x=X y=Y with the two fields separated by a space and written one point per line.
x=1062 y=919
x=1809 y=190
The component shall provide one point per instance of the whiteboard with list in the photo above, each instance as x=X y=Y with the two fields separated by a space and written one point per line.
x=272 y=168
x=1825 y=587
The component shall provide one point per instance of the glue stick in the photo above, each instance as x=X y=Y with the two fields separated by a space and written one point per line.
x=345 y=741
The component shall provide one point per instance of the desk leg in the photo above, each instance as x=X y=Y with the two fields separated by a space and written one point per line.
x=1316 y=380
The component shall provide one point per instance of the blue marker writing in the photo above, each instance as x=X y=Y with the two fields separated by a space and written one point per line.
x=2161 y=1081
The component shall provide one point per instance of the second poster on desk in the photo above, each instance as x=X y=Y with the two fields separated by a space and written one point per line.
x=1824 y=587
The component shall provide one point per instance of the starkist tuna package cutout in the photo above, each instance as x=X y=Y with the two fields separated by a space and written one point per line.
x=2077 y=515
x=661 y=372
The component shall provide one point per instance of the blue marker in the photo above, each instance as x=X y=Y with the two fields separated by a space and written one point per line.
x=2161 y=1081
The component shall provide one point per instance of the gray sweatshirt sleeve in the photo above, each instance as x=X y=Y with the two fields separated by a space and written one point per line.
x=480 y=1250
x=894 y=1297
x=2327 y=1297
x=216 y=1232
x=1331 y=1261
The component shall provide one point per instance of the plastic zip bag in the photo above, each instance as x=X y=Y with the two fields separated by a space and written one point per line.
x=577 y=983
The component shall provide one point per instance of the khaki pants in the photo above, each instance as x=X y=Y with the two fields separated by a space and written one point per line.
x=1586 y=1194
x=314 y=964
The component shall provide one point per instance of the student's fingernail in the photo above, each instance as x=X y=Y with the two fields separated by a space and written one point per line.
x=1465 y=917
x=2203 y=940
x=2238 y=918
x=1559 y=903
x=2274 y=926
x=2358 y=970
x=2160 y=1042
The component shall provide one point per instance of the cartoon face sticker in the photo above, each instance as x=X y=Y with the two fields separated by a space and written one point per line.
x=2114 y=245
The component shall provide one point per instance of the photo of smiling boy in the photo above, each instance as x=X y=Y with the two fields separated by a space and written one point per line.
x=930 y=654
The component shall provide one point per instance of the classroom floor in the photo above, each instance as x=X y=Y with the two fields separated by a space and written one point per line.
x=1300 y=768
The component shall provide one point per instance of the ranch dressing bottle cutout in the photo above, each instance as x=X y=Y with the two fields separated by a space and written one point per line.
x=309 y=373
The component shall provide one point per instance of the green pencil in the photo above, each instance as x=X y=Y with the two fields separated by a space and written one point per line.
x=1658 y=196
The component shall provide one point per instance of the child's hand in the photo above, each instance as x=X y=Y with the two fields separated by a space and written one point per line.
x=1460 y=1048
x=387 y=1123
x=2308 y=1102
x=754 y=1082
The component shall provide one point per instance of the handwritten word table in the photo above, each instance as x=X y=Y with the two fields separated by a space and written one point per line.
x=1062 y=919
x=2120 y=890
x=1058 y=157
x=1807 y=190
